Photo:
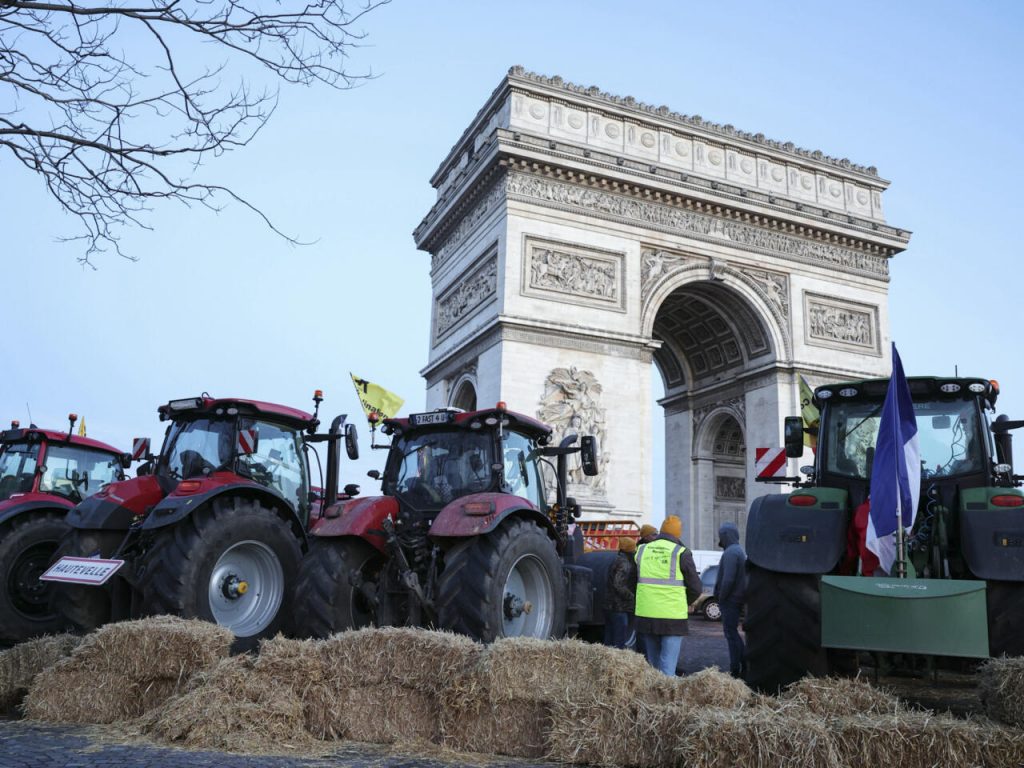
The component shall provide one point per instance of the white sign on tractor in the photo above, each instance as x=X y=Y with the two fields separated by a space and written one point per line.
x=82 y=570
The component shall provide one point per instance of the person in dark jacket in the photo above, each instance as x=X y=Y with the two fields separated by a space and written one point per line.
x=620 y=596
x=731 y=593
x=667 y=582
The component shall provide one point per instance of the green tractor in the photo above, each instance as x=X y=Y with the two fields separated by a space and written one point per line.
x=815 y=598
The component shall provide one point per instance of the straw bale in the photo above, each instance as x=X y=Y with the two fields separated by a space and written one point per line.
x=380 y=714
x=921 y=739
x=838 y=696
x=709 y=688
x=423 y=660
x=724 y=738
x=20 y=665
x=1001 y=689
x=159 y=647
x=513 y=728
x=234 y=708
x=543 y=671
x=65 y=693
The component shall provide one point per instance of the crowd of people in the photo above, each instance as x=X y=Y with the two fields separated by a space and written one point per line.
x=652 y=583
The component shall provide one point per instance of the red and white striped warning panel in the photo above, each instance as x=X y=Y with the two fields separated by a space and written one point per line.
x=140 y=448
x=247 y=441
x=769 y=463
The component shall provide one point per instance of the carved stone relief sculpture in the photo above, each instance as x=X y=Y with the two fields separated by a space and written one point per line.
x=836 y=323
x=466 y=296
x=572 y=403
x=730 y=488
x=577 y=274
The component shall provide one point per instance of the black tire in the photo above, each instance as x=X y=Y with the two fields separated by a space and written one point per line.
x=711 y=610
x=27 y=544
x=1005 y=617
x=84 y=609
x=197 y=568
x=783 y=629
x=326 y=601
x=483 y=577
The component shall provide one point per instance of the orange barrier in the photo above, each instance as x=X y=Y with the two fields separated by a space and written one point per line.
x=604 y=535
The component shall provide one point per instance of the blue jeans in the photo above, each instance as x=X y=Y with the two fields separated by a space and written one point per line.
x=730 y=628
x=662 y=651
x=617 y=628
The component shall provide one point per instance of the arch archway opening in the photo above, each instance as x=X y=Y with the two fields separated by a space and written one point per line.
x=465 y=396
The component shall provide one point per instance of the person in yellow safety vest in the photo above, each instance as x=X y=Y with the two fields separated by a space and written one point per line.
x=667 y=582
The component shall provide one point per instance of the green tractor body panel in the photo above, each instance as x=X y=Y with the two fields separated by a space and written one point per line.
x=937 y=617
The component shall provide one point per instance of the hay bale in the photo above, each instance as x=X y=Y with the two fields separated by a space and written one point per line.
x=836 y=697
x=708 y=688
x=20 y=665
x=1001 y=689
x=545 y=671
x=232 y=708
x=723 y=738
x=124 y=669
x=512 y=728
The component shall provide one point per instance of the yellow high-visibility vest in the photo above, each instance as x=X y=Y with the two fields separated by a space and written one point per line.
x=660 y=587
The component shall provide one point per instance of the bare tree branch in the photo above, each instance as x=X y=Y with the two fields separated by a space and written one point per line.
x=102 y=103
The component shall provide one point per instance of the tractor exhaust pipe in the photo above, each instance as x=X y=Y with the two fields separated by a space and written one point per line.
x=333 y=460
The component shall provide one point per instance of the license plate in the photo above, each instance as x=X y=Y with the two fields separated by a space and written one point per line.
x=440 y=417
x=92 y=571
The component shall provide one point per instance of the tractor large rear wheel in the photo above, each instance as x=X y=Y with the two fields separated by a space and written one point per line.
x=783 y=628
x=233 y=562
x=1005 y=617
x=80 y=607
x=336 y=582
x=507 y=583
x=27 y=544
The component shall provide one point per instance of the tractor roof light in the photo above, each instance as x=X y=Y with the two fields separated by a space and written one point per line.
x=977 y=387
x=995 y=386
x=1007 y=500
x=15 y=423
x=1002 y=469
x=501 y=407
x=490 y=421
x=72 y=417
x=824 y=394
x=475 y=424
x=847 y=392
x=185 y=404
x=950 y=388
x=318 y=395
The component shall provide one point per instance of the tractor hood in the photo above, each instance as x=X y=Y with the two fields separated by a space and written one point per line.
x=361 y=517
x=117 y=505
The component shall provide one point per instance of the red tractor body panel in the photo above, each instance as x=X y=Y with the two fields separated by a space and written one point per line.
x=135 y=495
x=478 y=513
x=293 y=416
x=37 y=499
x=201 y=486
x=359 y=517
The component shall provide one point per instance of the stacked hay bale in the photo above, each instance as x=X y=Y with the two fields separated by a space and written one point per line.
x=122 y=670
x=20 y=665
x=1001 y=689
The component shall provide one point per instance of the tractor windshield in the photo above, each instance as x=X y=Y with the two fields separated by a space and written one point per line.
x=17 y=468
x=429 y=469
x=77 y=473
x=199 y=447
x=277 y=461
x=949 y=435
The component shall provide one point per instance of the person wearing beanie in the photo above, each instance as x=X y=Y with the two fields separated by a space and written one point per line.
x=647 y=533
x=730 y=592
x=620 y=595
x=667 y=582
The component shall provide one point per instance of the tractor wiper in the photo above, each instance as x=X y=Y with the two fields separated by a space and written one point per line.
x=869 y=416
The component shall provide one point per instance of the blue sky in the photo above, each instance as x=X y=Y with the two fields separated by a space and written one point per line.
x=929 y=92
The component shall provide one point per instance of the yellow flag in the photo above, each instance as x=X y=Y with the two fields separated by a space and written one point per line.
x=374 y=397
x=809 y=413
x=81 y=427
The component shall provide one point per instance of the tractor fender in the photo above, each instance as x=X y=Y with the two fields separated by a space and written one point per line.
x=993 y=542
x=480 y=513
x=790 y=539
x=177 y=506
x=14 y=507
x=362 y=517
x=116 y=506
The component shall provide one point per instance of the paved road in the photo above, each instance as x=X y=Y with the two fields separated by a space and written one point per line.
x=25 y=744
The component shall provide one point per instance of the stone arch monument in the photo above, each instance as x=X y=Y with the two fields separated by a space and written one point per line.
x=579 y=237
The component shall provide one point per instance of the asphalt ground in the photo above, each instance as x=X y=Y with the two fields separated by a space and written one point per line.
x=25 y=744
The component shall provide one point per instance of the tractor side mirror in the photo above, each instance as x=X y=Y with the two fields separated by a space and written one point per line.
x=374 y=474
x=248 y=441
x=351 y=490
x=940 y=422
x=126 y=460
x=589 y=457
x=793 y=435
x=351 y=442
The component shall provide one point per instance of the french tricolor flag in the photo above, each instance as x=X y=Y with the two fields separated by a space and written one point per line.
x=896 y=469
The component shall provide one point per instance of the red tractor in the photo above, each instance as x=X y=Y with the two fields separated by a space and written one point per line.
x=213 y=528
x=465 y=537
x=43 y=474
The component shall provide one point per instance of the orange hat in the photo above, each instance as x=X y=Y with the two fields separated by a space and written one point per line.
x=627 y=544
x=672 y=526
x=647 y=530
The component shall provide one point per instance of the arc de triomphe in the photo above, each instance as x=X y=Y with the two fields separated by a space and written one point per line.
x=579 y=237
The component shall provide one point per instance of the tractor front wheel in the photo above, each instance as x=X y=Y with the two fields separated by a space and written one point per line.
x=336 y=587
x=233 y=562
x=783 y=628
x=27 y=544
x=84 y=608
x=507 y=583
